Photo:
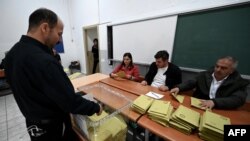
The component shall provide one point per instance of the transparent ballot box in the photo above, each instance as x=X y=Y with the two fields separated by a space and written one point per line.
x=110 y=125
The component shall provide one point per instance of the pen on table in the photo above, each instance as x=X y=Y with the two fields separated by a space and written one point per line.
x=154 y=94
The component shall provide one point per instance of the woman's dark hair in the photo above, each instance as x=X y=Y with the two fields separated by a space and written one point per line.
x=127 y=54
x=42 y=15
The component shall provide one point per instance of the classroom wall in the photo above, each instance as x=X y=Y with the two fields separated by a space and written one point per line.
x=87 y=13
x=78 y=14
x=84 y=13
x=14 y=23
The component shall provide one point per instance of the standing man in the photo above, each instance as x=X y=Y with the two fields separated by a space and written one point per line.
x=221 y=87
x=163 y=74
x=41 y=89
x=95 y=54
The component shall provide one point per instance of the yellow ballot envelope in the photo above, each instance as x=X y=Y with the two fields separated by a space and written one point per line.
x=179 y=98
x=121 y=74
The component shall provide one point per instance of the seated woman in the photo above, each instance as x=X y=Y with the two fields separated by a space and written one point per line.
x=126 y=69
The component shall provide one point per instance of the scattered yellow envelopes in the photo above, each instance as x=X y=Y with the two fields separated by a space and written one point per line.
x=212 y=126
x=195 y=102
x=185 y=119
x=179 y=98
x=142 y=103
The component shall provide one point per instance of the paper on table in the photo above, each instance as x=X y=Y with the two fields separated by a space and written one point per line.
x=154 y=95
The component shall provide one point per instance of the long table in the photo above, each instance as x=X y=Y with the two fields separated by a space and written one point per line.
x=132 y=90
x=169 y=133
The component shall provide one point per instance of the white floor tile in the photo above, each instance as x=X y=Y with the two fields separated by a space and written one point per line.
x=3 y=135
x=3 y=126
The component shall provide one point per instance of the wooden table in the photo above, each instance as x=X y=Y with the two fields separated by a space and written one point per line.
x=85 y=80
x=129 y=86
x=238 y=116
x=132 y=90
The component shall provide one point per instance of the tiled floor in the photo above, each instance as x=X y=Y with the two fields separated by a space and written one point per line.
x=12 y=122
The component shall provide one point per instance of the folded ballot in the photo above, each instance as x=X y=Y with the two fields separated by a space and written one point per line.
x=179 y=98
x=212 y=126
x=142 y=103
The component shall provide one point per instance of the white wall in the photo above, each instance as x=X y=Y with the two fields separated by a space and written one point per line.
x=125 y=10
x=14 y=23
x=91 y=12
x=83 y=13
x=77 y=14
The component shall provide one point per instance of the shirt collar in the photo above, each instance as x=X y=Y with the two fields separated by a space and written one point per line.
x=220 y=80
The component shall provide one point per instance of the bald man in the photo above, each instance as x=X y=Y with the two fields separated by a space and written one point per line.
x=221 y=87
x=41 y=89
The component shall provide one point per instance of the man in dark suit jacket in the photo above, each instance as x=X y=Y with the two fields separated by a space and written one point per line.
x=162 y=74
x=221 y=87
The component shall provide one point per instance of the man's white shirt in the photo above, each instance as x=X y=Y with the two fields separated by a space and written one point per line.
x=159 y=78
x=214 y=87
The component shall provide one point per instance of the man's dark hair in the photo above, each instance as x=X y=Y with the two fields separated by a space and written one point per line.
x=162 y=54
x=42 y=15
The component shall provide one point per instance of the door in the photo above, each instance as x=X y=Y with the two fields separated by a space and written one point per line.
x=90 y=33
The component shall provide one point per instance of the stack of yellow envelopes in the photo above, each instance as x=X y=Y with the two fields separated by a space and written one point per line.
x=142 y=103
x=160 y=112
x=185 y=119
x=212 y=126
x=112 y=129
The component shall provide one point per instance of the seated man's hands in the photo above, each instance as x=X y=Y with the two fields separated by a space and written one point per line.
x=207 y=104
x=163 y=88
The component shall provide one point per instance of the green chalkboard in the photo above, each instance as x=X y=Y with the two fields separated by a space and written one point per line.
x=201 y=38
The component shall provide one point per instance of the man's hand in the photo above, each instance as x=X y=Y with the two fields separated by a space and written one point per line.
x=163 y=88
x=144 y=83
x=207 y=104
x=100 y=111
x=175 y=90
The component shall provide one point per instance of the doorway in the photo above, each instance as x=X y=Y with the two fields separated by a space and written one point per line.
x=90 y=33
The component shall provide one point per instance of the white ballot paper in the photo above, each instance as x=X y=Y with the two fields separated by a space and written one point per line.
x=154 y=95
